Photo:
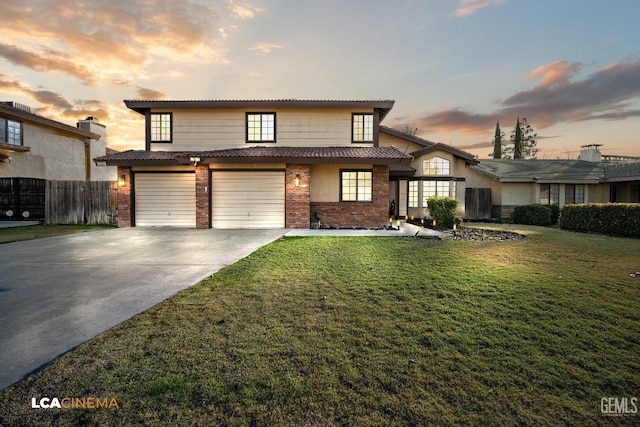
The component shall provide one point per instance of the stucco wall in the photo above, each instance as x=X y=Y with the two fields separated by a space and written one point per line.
x=52 y=156
x=325 y=181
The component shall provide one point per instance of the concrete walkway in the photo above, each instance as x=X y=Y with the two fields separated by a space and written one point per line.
x=406 y=230
x=59 y=292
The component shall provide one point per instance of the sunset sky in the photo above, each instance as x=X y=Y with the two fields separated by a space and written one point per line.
x=454 y=67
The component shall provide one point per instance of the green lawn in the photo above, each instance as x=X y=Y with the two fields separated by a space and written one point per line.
x=16 y=234
x=372 y=331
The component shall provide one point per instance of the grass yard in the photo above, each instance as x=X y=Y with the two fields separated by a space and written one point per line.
x=371 y=331
x=16 y=234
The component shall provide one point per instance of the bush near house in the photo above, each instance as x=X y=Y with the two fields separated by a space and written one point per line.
x=536 y=214
x=443 y=211
x=621 y=219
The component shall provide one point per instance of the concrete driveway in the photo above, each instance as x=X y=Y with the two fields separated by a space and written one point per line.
x=59 y=292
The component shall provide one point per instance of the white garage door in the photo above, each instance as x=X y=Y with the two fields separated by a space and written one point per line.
x=248 y=199
x=165 y=199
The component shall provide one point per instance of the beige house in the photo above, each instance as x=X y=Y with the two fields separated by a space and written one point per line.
x=32 y=146
x=257 y=164
x=593 y=178
x=35 y=149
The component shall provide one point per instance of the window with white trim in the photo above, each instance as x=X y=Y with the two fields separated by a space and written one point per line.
x=355 y=186
x=261 y=127
x=362 y=127
x=435 y=188
x=413 y=193
x=10 y=132
x=436 y=166
x=160 y=127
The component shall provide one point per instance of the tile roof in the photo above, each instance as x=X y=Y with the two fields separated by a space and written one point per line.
x=507 y=170
x=384 y=155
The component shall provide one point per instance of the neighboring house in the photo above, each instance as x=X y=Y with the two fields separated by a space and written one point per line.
x=257 y=164
x=34 y=149
x=591 y=179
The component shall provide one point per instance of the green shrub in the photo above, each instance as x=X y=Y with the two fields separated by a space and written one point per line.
x=555 y=214
x=443 y=211
x=621 y=219
x=533 y=215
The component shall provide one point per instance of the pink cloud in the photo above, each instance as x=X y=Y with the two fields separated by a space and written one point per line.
x=556 y=72
x=469 y=7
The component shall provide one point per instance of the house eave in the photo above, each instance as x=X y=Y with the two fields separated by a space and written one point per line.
x=141 y=106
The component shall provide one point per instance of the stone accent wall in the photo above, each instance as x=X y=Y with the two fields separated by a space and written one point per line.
x=125 y=202
x=374 y=214
x=297 y=214
x=203 y=207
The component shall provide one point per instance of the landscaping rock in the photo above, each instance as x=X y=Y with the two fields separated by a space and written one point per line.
x=481 y=235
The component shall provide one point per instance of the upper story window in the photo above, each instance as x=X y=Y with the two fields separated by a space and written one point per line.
x=362 y=127
x=10 y=132
x=356 y=186
x=436 y=166
x=161 y=127
x=261 y=127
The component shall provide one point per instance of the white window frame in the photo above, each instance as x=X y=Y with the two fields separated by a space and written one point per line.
x=413 y=194
x=436 y=166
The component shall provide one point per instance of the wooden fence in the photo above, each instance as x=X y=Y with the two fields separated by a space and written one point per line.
x=80 y=202
x=477 y=203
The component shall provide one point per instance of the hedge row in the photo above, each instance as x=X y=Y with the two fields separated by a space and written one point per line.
x=536 y=214
x=622 y=219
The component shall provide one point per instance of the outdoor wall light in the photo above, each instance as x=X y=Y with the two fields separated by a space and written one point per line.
x=122 y=180
x=297 y=180
x=194 y=160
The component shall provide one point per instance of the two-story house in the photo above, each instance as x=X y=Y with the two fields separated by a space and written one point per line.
x=35 y=149
x=258 y=164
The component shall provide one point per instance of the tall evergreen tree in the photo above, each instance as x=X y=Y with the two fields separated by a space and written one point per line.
x=497 y=142
x=517 y=141
x=523 y=142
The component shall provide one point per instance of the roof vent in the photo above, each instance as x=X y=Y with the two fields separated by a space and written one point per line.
x=18 y=106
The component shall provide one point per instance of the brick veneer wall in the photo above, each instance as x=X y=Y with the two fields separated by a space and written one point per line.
x=203 y=207
x=297 y=214
x=124 y=196
x=359 y=214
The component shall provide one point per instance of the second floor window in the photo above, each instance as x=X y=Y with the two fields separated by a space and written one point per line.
x=160 y=127
x=10 y=132
x=436 y=166
x=261 y=127
x=363 y=128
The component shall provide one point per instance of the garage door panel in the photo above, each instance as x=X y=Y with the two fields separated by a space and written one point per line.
x=248 y=199
x=164 y=199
